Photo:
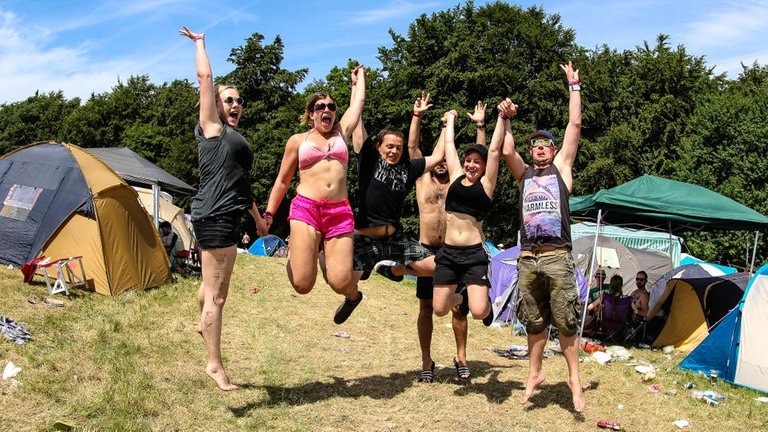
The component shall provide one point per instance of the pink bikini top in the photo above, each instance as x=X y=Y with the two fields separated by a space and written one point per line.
x=336 y=148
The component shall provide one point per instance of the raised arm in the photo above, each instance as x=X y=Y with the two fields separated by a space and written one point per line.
x=492 y=162
x=353 y=115
x=512 y=158
x=451 y=156
x=567 y=154
x=420 y=106
x=478 y=117
x=209 y=115
x=359 y=134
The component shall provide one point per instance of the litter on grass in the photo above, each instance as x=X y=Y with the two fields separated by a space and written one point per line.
x=14 y=331
x=10 y=371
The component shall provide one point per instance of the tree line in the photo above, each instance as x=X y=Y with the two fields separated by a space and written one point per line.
x=654 y=109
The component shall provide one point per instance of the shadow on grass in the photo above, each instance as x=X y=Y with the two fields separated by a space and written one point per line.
x=389 y=386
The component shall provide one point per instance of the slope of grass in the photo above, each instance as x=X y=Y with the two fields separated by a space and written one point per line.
x=135 y=363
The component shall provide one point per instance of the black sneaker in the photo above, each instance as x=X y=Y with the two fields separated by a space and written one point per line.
x=384 y=268
x=346 y=308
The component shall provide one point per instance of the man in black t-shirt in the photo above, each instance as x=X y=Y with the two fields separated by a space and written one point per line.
x=386 y=175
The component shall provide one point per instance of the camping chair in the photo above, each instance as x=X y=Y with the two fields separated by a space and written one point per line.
x=66 y=275
x=615 y=315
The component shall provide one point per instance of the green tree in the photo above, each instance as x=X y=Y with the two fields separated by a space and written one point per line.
x=723 y=149
x=38 y=118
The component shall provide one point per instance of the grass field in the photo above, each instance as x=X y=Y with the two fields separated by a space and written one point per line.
x=135 y=363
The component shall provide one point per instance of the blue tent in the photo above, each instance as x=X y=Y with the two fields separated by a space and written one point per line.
x=738 y=347
x=266 y=246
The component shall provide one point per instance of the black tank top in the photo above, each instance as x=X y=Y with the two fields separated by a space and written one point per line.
x=471 y=200
x=544 y=209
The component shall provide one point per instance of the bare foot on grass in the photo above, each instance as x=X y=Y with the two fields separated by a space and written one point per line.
x=578 y=396
x=531 y=385
x=220 y=378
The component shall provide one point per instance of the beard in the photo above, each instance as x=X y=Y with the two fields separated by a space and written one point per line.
x=440 y=174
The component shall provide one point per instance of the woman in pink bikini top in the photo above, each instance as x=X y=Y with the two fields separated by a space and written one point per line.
x=320 y=212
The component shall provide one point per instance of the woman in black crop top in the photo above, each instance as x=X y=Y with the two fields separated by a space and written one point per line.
x=464 y=257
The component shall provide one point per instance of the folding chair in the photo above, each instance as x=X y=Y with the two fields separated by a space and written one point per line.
x=66 y=276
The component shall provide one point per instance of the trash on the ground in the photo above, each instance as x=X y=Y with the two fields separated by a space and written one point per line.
x=10 y=371
x=618 y=353
x=342 y=334
x=762 y=399
x=648 y=376
x=681 y=424
x=643 y=369
x=655 y=388
x=60 y=425
x=711 y=398
x=689 y=385
x=590 y=346
x=670 y=392
x=14 y=331
x=53 y=302
x=609 y=425
x=601 y=357
x=669 y=349
x=514 y=352
x=644 y=346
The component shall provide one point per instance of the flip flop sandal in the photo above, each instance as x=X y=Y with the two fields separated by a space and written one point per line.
x=427 y=376
x=461 y=371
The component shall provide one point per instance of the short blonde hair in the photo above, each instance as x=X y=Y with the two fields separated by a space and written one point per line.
x=219 y=89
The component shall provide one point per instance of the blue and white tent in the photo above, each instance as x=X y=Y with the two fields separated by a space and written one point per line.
x=737 y=348
x=266 y=245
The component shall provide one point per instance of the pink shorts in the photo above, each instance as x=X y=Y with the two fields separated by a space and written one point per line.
x=331 y=219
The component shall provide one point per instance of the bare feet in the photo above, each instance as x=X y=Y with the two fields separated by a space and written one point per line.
x=578 y=396
x=531 y=385
x=220 y=378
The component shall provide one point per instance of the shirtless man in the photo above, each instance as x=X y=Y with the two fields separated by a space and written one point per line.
x=431 y=189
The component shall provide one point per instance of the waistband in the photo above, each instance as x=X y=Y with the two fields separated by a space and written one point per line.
x=543 y=251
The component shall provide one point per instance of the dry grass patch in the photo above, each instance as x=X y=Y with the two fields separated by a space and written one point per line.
x=135 y=362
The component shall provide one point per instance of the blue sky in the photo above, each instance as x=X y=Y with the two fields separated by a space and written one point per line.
x=82 y=47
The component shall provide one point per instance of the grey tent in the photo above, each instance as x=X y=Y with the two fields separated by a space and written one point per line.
x=138 y=171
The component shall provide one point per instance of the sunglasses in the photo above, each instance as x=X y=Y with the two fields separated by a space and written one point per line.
x=542 y=142
x=639 y=279
x=322 y=106
x=600 y=276
x=230 y=100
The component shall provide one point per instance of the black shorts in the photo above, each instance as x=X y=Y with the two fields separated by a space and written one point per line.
x=218 y=231
x=457 y=265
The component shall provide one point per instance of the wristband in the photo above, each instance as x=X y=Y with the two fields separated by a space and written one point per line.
x=267 y=214
x=503 y=117
x=415 y=114
x=480 y=126
x=198 y=37
x=574 y=87
x=574 y=82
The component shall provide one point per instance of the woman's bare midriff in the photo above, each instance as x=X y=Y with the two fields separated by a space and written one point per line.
x=324 y=181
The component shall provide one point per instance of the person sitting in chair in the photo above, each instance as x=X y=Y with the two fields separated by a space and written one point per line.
x=612 y=308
